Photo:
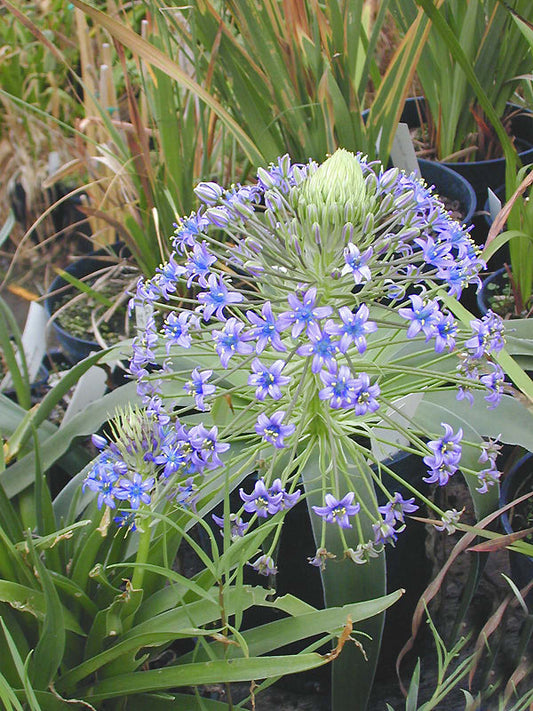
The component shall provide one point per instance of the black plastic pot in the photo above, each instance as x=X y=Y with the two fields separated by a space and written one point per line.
x=482 y=296
x=518 y=481
x=451 y=185
x=407 y=566
x=74 y=347
x=37 y=387
x=487 y=173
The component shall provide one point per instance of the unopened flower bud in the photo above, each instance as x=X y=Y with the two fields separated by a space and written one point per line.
x=209 y=193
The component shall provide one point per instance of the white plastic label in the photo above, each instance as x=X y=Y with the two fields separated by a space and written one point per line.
x=91 y=387
x=495 y=204
x=402 y=152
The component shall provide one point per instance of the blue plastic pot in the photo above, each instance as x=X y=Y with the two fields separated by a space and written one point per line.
x=485 y=173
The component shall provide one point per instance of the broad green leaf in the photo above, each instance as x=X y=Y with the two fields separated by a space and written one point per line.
x=346 y=582
x=268 y=637
x=201 y=673
x=33 y=601
x=48 y=653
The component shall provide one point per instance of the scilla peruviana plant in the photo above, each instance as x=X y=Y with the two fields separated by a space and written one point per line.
x=291 y=321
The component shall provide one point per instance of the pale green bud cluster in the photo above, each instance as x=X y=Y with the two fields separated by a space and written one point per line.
x=334 y=194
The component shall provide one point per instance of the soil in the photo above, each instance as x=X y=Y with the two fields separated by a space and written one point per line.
x=501 y=299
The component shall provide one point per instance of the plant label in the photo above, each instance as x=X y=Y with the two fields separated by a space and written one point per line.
x=495 y=204
x=91 y=387
x=402 y=152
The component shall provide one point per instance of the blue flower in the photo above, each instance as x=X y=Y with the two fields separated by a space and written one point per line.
x=288 y=500
x=395 y=509
x=384 y=532
x=338 y=510
x=135 y=491
x=217 y=298
x=199 y=387
x=357 y=263
x=494 y=382
x=206 y=446
x=237 y=526
x=176 y=329
x=264 y=565
x=271 y=429
x=439 y=470
x=447 y=448
x=230 y=341
x=169 y=275
x=487 y=478
x=188 y=230
x=186 y=494
x=266 y=330
x=304 y=313
x=103 y=479
x=268 y=381
x=321 y=347
x=422 y=315
x=261 y=501
x=445 y=330
x=340 y=389
x=365 y=395
x=198 y=264
x=354 y=329
x=488 y=335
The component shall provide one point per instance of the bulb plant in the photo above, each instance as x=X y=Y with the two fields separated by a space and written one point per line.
x=281 y=338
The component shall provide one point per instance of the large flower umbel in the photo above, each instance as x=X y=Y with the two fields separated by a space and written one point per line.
x=318 y=305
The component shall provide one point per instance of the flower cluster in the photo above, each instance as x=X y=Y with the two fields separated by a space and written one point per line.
x=309 y=303
x=148 y=460
x=264 y=502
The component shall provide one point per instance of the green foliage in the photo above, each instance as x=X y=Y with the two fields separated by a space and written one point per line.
x=69 y=594
x=487 y=39
x=517 y=216
x=28 y=70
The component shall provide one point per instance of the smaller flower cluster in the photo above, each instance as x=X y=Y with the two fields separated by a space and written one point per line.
x=443 y=462
x=490 y=475
x=488 y=340
x=148 y=458
x=265 y=502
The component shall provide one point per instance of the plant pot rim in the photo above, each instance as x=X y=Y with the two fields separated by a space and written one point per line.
x=482 y=303
x=504 y=491
x=470 y=202
x=481 y=163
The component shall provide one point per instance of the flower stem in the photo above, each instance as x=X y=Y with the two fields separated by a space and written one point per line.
x=142 y=556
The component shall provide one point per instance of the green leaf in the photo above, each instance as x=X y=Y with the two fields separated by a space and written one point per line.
x=201 y=673
x=26 y=599
x=268 y=637
x=22 y=670
x=346 y=582
x=48 y=653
